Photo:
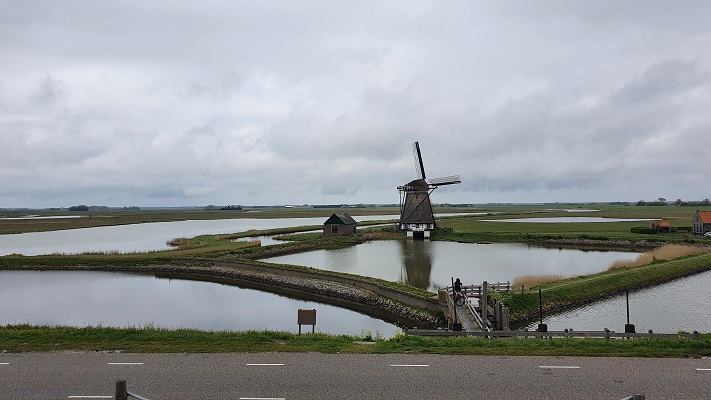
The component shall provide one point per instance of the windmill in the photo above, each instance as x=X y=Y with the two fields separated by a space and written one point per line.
x=416 y=216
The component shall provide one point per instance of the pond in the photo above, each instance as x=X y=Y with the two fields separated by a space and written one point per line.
x=142 y=237
x=681 y=305
x=79 y=298
x=431 y=264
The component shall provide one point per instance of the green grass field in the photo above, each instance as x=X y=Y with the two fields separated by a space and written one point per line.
x=21 y=338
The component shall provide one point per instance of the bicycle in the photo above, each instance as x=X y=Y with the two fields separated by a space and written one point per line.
x=460 y=298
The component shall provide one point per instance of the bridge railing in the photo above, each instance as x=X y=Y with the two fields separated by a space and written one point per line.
x=477 y=318
x=475 y=290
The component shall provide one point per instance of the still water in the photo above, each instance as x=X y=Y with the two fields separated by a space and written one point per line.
x=142 y=237
x=681 y=305
x=431 y=264
x=78 y=298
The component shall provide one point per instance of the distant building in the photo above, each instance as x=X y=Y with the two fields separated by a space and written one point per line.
x=661 y=226
x=702 y=222
x=339 y=224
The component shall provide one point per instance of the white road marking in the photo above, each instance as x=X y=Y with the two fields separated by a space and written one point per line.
x=558 y=367
x=4 y=363
x=126 y=363
x=262 y=398
x=703 y=369
x=409 y=365
x=265 y=365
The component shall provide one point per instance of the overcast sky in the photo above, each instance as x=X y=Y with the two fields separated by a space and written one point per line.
x=181 y=103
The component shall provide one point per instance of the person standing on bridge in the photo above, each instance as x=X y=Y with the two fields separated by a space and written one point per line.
x=457 y=288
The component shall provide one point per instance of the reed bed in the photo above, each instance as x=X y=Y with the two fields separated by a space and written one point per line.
x=529 y=281
x=666 y=252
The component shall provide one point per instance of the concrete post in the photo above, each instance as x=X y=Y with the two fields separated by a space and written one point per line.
x=121 y=393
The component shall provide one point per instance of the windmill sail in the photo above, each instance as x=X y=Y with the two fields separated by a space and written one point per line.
x=445 y=180
x=419 y=166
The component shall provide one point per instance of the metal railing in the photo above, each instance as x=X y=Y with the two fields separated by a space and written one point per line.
x=475 y=290
x=477 y=318
x=606 y=334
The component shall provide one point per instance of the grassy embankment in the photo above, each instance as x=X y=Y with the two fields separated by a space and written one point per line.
x=20 y=338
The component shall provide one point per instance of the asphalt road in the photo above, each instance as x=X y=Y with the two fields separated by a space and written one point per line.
x=65 y=375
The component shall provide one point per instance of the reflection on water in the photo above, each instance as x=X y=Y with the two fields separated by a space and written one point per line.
x=417 y=263
x=681 y=305
x=431 y=264
x=80 y=298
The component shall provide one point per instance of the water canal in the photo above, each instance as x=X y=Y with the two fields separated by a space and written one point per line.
x=681 y=305
x=80 y=298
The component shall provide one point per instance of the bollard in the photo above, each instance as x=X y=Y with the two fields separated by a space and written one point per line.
x=121 y=393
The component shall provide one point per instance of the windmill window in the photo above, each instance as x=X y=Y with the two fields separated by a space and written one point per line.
x=334 y=228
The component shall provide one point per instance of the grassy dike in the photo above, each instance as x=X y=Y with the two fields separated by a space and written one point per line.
x=583 y=289
x=22 y=338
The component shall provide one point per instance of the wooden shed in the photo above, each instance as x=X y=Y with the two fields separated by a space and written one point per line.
x=339 y=224
x=661 y=226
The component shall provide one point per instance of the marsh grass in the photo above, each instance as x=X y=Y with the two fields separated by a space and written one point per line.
x=529 y=281
x=666 y=252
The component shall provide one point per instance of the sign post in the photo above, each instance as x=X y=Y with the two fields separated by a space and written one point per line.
x=307 y=317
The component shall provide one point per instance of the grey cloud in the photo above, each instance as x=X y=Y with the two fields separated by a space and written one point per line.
x=48 y=92
x=263 y=102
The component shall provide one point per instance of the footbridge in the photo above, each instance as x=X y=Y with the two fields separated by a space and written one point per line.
x=479 y=313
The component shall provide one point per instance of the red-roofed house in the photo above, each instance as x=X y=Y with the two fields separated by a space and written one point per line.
x=702 y=222
x=661 y=226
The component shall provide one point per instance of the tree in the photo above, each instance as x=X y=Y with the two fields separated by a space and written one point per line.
x=82 y=207
x=706 y=202
x=662 y=200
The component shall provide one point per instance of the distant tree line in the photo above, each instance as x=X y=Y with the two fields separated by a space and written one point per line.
x=678 y=202
x=213 y=207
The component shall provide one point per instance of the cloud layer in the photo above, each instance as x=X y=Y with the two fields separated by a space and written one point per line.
x=191 y=103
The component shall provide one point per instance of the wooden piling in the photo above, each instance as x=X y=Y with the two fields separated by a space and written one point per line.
x=121 y=392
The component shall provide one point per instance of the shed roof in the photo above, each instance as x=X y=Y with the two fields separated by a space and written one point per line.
x=661 y=224
x=705 y=216
x=340 y=218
